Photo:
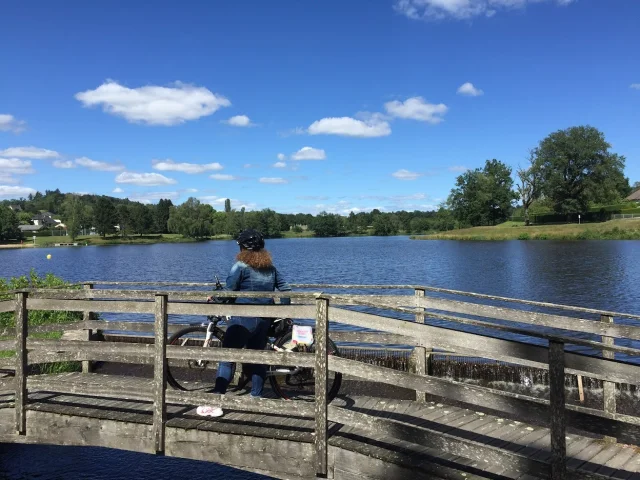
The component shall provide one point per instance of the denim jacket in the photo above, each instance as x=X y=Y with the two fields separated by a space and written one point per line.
x=248 y=279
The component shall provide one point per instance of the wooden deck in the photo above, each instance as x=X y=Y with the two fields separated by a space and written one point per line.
x=281 y=444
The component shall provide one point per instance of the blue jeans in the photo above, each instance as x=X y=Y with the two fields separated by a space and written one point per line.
x=249 y=332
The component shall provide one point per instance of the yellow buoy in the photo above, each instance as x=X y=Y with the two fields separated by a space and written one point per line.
x=49 y=257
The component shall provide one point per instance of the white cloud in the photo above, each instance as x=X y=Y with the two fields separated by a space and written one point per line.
x=416 y=108
x=8 y=123
x=370 y=126
x=7 y=191
x=191 y=190
x=404 y=174
x=309 y=153
x=98 y=166
x=239 y=121
x=33 y=153
x=15 y=166
x=222 y=176
x=154 y=105
x=282 y=157
x=144 y=179
x=273 y=180
x=7 y=179
x=169 y=165
x=462 y=9
x=458 y=169
x=635 y=86
x=469 y=90
x=63 y=164
x=280 y=165
x=118 y=190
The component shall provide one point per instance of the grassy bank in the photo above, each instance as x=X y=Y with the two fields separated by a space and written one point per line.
x=37 y=318
x=113 y=240
x=613 y=230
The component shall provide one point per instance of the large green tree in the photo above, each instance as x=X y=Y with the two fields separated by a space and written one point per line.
x=9 y=225
x=578 y=170
x=191 y=219
x=141 y=219
x=73 y=210
x=326 y=225
x=161 y=217
x=483 y=196
x=105 y=216
x=529 y=186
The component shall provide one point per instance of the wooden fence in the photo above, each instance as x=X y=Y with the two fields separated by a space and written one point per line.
x=324 y=307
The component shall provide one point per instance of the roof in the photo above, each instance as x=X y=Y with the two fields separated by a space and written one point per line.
x=29 y=228
x=634 y=196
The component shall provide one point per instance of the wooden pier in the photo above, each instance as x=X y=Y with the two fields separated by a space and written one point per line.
x=452 y=429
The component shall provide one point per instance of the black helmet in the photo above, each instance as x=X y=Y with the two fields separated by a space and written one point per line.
x=251 y=240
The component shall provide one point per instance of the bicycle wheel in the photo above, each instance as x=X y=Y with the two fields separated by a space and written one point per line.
x=191 y=375
x=299 y=384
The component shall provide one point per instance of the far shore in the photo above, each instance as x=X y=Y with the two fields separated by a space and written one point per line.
x=627 y=229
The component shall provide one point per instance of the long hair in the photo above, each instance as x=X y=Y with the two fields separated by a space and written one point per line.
x=256 y=259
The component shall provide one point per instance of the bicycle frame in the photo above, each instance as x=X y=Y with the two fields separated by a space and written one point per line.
x=212 y=325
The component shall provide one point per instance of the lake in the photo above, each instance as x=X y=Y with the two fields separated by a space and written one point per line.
x=597 y=274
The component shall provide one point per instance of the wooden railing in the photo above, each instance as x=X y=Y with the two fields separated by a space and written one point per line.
x=324 y=307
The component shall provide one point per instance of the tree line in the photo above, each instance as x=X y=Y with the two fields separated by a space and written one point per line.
x=104 y=215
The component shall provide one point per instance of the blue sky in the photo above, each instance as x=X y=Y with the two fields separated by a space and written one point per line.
x=304 y=106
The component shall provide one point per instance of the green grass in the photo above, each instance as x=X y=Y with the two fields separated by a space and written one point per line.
x=628 y=229
x=114 y=240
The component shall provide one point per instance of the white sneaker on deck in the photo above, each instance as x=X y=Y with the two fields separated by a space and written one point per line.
x=208 y=411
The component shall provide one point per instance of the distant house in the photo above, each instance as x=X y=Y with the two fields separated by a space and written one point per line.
x=634 y=197
x=44 y=219
x=15 y=208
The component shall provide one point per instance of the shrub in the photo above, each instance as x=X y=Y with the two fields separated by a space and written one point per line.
x=36 y=317
x=523 y=236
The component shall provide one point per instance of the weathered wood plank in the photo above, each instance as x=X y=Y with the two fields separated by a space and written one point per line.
x=435 y=439
x=160 y=374
x=531 y=302
x=287 y=311
x=533 y=318
x=22 y=322
x=104 y=349
x=557 y=401
x=609 y=388
x=529 y=409
x=7 y=306
x=321 y=379
x=118 y=306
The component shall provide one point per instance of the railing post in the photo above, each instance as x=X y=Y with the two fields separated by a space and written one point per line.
x=608 y=388
x=22 y=322
x=86 y=316
x=557 y=413
x=160 y=373
x=321 y=367
x=422 y=359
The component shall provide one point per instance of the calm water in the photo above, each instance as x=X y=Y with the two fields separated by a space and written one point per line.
x=596 y=274
x=599 y=274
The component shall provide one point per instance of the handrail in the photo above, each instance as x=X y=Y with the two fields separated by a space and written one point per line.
x=388 y=287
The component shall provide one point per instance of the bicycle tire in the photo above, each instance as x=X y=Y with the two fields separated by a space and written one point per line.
x=335 y=383
x=184 y=381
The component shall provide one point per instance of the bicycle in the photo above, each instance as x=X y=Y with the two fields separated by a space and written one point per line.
x=286 y=381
